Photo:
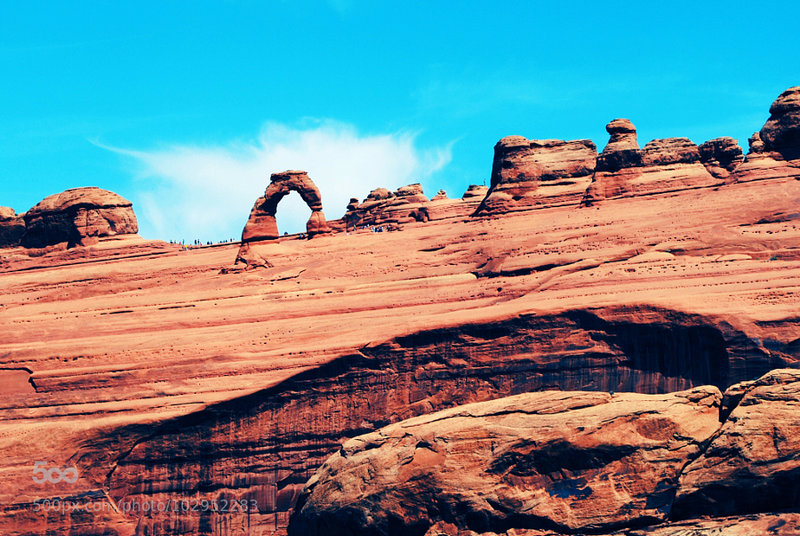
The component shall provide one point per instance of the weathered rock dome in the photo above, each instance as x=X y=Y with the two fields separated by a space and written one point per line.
x=781 y=133
x=78 y=216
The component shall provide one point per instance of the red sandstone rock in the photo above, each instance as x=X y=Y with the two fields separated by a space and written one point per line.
x=783 y=524
x=664 y=165
x=12 y=227
x=475 y=192
x=79 y=216
x=383 y=207
x=781 y=133
x=560 y=461
x=192 y=384
x=753 y=465
x=721 y=156
x=440 y=196
x=528 y=173
x=261 y=225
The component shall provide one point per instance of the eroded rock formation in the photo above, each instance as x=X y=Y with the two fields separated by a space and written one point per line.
x=663 y=165
x=384 y=207
x=262 y=225
x=528 y=173
x=567 y=462
x=781 y=133
x=12 y=227
x=475 y=192
x=548 y=460
x=775 y=150
x=191 y=386
x=721 y=156
x=79 y=216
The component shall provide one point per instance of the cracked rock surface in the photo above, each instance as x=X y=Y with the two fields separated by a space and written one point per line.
x=560 y=461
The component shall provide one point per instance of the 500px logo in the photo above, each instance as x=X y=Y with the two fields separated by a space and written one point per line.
x=54 y=475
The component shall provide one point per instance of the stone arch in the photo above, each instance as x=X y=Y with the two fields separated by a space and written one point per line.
x=262 y=224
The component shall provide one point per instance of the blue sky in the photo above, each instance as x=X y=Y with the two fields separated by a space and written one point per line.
x=185 y=108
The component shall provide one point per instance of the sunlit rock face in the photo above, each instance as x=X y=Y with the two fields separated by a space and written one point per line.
x=163 y=375
x=552 y=463
x=79 y=216
x=262 y=225
x=662 y=166
x=535 y=173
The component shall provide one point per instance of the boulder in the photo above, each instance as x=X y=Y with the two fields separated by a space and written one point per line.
x=12 y=227
x=721 y=156
x=753 y=464
x=563 y=461
x=79 y=216
x=538 y=173
x=781 y=132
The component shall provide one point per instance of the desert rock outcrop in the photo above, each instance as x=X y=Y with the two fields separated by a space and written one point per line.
x=161 y=380
x=563 y=461
x=12 y=227
x=79 y=216
x=262 y=225
x=550 y=463
x=384 y=207
x=663 y=165
x=781 y=133
x=529 y=173
x=475 y=192
x=753 y=465
x=721 y=156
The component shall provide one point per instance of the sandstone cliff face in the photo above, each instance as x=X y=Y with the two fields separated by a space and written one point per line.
x=265 y=446
x=12 y=227
x=753 y=464
x=79 y=216
x=564 y=463
x=528 y=173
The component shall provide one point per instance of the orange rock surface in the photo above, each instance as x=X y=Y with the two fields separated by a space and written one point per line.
x=193 y=399
x=160 y=378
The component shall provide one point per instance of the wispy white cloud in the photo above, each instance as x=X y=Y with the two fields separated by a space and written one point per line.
x=206 y=192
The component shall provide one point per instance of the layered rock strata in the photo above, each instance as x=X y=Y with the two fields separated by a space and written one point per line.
x=663 y=165
x=570 y=463
x=529 y=173
x=79 y=216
